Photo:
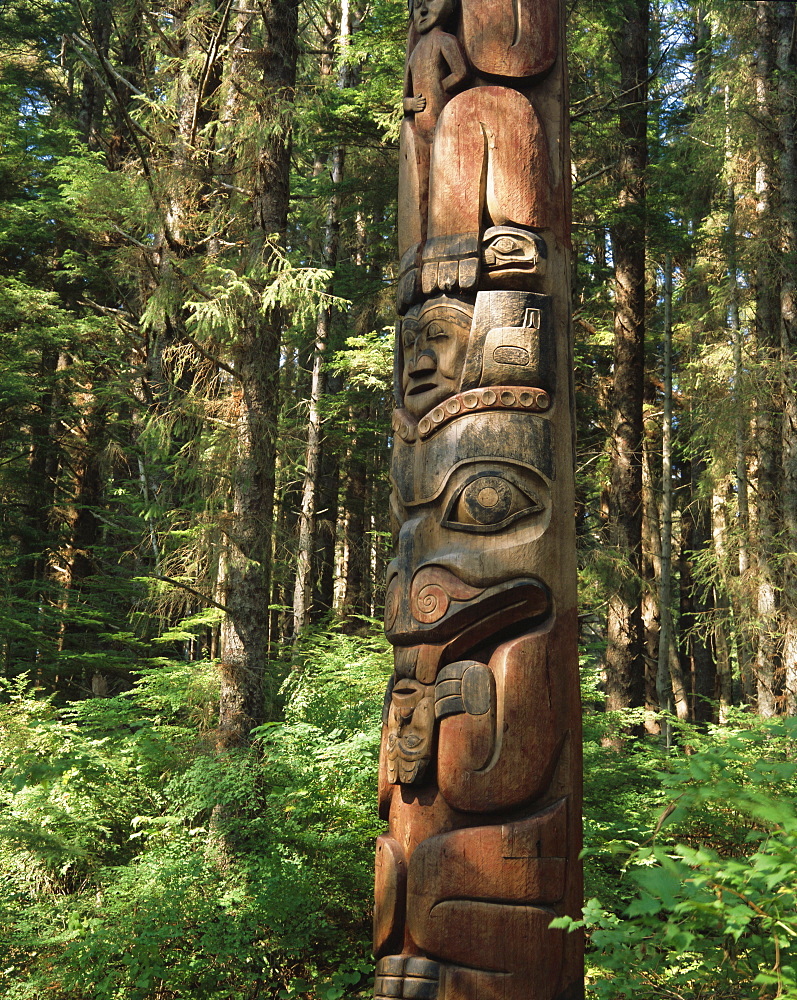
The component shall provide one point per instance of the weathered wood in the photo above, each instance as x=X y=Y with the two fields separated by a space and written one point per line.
x=480 y=767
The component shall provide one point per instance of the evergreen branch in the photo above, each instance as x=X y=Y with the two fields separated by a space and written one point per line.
x=593 y=176
x=191 y=590
x=133 y=126
x=153 y=22
x=109 y=90
x=122 y=316
x=210 y=59
x=109 y=68
x=210 y=357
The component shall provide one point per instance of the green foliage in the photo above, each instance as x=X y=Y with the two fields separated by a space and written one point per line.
x=137 y=861
x=714 y=911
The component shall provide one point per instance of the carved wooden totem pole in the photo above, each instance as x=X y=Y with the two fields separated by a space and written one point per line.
x=480 y=769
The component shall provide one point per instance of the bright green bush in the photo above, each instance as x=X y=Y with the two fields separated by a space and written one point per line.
x=714 y=914
x=137 y=862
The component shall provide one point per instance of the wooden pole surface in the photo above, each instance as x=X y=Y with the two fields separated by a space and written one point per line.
x=480 y=769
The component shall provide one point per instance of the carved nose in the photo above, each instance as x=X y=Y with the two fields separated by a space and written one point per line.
x=424 y=364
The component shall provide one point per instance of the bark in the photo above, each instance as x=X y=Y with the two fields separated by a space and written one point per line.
x=40 y=492
x=92 y=99
x=739 y=603
x=767 y=328
x=326 y=535
x=30 y=578
x=89 y=464
x=719 y=526
x=625 y=671
x=786 y=61
x=669 y=677
x=245 y=643
x=696 y=610
x=355 y=597
x=651 y=565
x=698 y=660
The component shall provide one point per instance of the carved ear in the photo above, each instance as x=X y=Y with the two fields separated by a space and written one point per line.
x=510 y=311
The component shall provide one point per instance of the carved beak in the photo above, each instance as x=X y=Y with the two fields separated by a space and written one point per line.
x=442 y=609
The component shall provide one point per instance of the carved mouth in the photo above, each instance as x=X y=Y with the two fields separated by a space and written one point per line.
x=423 y=387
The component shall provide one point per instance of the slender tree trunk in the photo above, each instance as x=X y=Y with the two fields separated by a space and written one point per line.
x=355 y=593
x=719 y=525
x=651 y=567
x=89 y=464
x=625 y=666
x=302 y=594
x=767 y=324
x=326 y=535
x=739 y=601
x=786 y=61
x=669 y=677
x=92 y=100
x=698 y=661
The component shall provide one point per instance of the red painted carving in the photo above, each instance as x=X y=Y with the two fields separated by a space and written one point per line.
x=518 y=39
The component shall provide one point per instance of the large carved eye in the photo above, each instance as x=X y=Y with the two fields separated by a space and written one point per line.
x=434 y=331
x=505 y=245
x=490 y=502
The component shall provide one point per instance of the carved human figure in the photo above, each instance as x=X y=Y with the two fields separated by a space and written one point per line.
x=469 y=159
x=436 y=66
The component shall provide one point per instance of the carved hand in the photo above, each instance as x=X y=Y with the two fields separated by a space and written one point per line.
x=414 y=104
x=466 y=686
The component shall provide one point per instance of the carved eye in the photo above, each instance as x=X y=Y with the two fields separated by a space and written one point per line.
x=409 y=334
x=505 y=245
x=434 y=331
x=489 y=502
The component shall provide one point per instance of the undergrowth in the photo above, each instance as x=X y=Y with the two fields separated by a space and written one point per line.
x=139 y=863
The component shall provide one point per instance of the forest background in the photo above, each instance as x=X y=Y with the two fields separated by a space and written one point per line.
x=197 y=264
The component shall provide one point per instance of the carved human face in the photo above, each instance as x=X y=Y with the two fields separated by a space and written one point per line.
x=434 y=343
x=428 y=14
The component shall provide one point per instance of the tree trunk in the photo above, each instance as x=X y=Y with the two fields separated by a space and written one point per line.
x=724 y=689
x=739 y=603
x=767 y=326
x=302 y=594
x=625 y=668
x=786 y=61
x=326 y=535
x=669 y=678
x=356 y=541
x=651 y=568
x=246 y=633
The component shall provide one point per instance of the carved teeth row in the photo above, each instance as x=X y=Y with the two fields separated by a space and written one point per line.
x=499 y=398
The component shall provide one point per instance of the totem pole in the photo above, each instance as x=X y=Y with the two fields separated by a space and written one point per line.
x=480 y=768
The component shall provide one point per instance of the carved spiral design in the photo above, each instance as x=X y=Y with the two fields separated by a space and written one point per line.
x=430 y=604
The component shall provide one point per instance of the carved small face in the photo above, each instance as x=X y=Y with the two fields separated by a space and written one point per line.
x=428 y=14
x=410 y=731
x=434 y=344
x=513 y=254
